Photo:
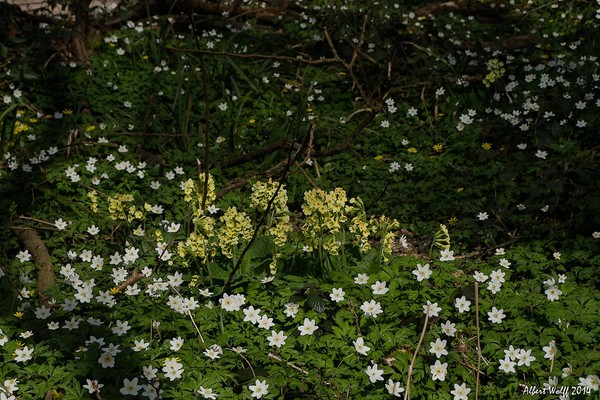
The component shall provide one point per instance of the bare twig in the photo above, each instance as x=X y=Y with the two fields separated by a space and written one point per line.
x=349 y=66
x=281 y=360
x=478 y=340
x=412 y=362
x=189 y=313
x=303 y=172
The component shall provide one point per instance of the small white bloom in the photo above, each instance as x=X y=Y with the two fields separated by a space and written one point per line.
x=431 y=309
x=438 y=371
x=259 y=389
x=394 y=388
x=446 y=255
x=361 y=279
x=308 y=327
x=380 y=287
x=496 y=315
x=277 y=339
x=460 y=392
x=360 y=347
x=462 y=304
x=375 y=374
x=438 y=348
x=422 y=272
x=337 y=294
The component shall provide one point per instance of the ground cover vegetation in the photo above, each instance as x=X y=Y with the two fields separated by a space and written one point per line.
x=300 y=200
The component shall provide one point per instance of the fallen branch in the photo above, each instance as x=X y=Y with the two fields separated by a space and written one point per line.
x=133 y=278
x=298 y=59
x=32 y=241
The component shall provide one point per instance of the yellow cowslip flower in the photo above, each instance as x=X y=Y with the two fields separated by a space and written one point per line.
x=326 y=215
x=384 y=228
x=188 y=189
x=452 y=220
x=20 y=127
x=116 y=206
x=281 y=230
x=158 y=235
x=67 y=111
x=181 y=249
x=236 y=226
x=94 y=200
x=460 y=189
x=309 y=109
x=378 y=157
x=204 y=225
x=441 y=238
x=19 y=314
x=90 y=128
x=251 y=121
x=47 y=116
x=114 y=291
x=132 y=210
x=332 y=246
x=147 y=207
x=496 y=71
x=273 y=266
x=486 y=146
x=263 y=192
x=362 y=230
x=33 y=120
x=194 y=193
x=145 y=57
x=412 y=150
x=438 y=147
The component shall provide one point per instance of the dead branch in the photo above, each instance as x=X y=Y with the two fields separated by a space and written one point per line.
x=511 y=43
x=32 y=241
x=133 y=278
x=435 y=8
x=298 y=59
x=367 y=119
x=270 y=148
x=232 y=9
x=349 y=66
x=287 y=144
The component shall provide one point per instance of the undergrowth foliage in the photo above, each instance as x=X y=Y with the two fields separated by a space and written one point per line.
x=245 y=210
